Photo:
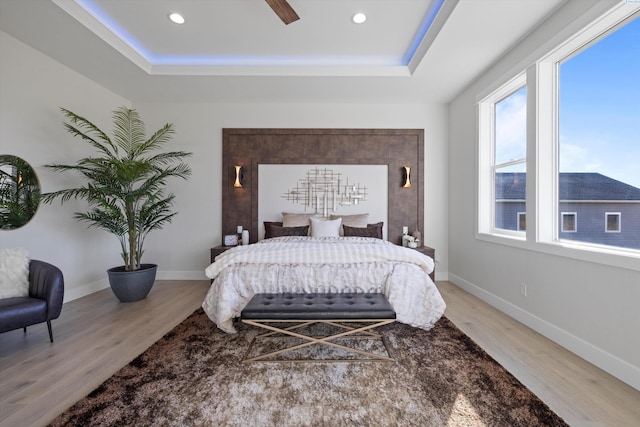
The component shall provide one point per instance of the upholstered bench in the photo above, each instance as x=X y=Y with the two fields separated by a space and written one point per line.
x=349 y=313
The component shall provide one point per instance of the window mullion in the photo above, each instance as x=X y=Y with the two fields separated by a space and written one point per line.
x=532 y=160
x=545 y=156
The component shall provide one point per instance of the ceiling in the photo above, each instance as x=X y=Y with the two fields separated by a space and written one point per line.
x=412 y=51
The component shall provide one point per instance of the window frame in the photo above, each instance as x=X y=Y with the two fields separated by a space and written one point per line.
x=575 y=222
x=519 y=221
x=542 y=172
x=606 y=222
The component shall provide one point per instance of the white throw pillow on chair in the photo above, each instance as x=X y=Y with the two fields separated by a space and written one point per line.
x=14 y=273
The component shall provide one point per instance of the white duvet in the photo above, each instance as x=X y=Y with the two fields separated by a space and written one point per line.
x=313 y=265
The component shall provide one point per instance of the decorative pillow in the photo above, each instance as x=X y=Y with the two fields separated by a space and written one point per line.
x=14 y=273
x=358 y=220
x=374 y=231
x=378 y=226
x=277 y=231
x=290 y=219
x=267 y=227
x=325 y=227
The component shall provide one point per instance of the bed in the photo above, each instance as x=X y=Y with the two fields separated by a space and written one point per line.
x=277 y=162
x=304 y=264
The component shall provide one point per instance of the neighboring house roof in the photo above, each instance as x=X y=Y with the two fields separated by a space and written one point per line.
x=573 y=186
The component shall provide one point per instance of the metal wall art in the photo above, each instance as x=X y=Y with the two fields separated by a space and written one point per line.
x=323 y=190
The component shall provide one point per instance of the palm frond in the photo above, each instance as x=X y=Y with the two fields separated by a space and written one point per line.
x=66 y=195
x=84 y=129
x=157 y=140
x=128 y=131
x=168 y=158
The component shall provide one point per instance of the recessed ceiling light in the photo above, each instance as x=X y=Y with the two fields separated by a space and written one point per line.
x=359 y=18
x=176 y=18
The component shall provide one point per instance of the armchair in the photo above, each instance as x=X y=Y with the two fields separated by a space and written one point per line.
x=44 y=303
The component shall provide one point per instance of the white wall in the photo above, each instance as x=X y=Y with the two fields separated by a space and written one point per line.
x=33 y=87
x=181 y=249
x=588 y=307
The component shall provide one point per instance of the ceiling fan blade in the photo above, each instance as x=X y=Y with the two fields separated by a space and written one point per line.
x=283 y=10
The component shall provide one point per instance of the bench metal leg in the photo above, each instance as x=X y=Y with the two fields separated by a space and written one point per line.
x=349 y=332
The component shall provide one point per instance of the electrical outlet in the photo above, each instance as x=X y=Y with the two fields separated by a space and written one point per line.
x=523 y=289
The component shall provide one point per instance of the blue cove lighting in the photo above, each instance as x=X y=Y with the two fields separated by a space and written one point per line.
x=108 y=22
x=422 y=30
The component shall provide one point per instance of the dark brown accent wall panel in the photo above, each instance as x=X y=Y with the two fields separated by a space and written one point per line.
x=395 y=148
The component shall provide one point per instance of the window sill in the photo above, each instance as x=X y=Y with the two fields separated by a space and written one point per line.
x=605 y=255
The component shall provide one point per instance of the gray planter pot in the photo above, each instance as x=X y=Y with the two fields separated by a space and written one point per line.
x=129 y=286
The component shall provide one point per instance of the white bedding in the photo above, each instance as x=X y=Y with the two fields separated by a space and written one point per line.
x=313 y=265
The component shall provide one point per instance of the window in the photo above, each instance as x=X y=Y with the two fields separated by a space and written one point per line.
x=568 y=222
x=505 y=138
x=571 y=120
x=598 y=128
x=509 y=168
x=612 y=222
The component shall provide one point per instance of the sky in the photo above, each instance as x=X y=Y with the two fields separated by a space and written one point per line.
x=599 y=110
x=511 y=129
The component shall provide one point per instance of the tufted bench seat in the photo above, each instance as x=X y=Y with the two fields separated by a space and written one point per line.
x=298 y=310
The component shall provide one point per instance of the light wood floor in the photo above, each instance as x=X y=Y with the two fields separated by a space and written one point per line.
x=582 y=394
x=97 y=335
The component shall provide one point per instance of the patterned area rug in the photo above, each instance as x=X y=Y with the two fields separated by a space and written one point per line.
x=193 y=377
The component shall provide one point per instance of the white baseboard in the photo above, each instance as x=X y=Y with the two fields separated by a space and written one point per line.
x=442 y=276
x=181 y=275
x=615 y=366
x=83 y=291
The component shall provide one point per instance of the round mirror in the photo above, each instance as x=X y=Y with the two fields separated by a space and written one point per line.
x=19 y=192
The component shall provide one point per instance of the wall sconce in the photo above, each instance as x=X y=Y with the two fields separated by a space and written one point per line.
x=238 y=180
x=406 y=176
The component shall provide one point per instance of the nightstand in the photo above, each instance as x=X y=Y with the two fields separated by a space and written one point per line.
x=431 y=253
x=218 y=250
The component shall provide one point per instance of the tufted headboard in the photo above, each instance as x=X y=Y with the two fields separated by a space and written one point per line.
x=395 y=148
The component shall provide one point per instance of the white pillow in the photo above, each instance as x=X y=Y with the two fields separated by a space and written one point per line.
x=325 y=227
x=14 y=273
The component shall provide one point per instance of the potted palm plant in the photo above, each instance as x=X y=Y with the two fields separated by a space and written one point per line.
x=125 y=188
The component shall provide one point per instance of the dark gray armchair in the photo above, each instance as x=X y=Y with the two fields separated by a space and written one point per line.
x=44 y=303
